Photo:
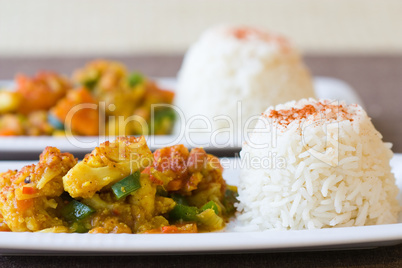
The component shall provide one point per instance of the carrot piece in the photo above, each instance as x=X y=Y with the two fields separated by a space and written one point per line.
x=28 y=190
x=23 y=205
x=8 y=132
x=171 y=229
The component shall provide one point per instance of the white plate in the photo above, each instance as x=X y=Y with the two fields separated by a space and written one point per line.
x=326 y=88
x=270 y=241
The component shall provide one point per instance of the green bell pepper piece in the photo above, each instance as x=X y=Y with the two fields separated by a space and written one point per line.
x=179 y=199
x=135 y=79
x=211 y=205
x=76 y=210
x=185 y=213
x=127 y=185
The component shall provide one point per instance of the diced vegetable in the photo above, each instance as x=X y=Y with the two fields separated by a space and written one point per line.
x=90 y=83
x=209 y=220
x=185 y=228
x=127 y=185
x=211 y=205
x=28 y=190
x=76 y=210
x=161 y=191
x=185 y=213
x=85 y=120
x=55 y=122
x=135 y=79
x=165 y=113
x=171 y=229
x=230 y=199
x=163 y=121
x=174 y=229
x=179 y=199
x=79 y=227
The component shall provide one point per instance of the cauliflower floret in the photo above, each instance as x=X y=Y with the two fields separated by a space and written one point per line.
x=28 y=198
x=107 y=164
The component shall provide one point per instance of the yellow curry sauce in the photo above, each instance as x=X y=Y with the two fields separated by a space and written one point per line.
x=121 y=187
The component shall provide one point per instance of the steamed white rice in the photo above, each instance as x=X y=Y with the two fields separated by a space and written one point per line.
x=237 y=72
x=329 y=169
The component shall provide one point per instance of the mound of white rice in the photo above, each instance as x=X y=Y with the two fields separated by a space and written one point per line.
x=228 y=65
x=315 y=164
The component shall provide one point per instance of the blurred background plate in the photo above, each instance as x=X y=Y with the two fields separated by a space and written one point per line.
x=24 y=147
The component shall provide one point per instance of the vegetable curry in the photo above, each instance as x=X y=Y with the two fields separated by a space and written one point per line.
x=102 y=98
x=120 y=187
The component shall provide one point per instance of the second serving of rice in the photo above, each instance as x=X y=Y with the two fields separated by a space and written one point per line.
x=233 y=73
x=328 y=168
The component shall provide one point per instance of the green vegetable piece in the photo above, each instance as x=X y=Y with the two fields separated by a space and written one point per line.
x=135 y=79
x=127 y=185
x=55 y=122
x=161 y=191
x=79 y=227
x=163 y=121
x=229 y=200
x=90 y=83
x=165 y=113
x=209 y=220
x=211 y=205
x=75 y=211
x=185 y=213
x=179 y=199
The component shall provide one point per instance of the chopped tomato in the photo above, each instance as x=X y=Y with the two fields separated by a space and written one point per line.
x=175 y=229
x=23 y=205
x=169 y=229
x=174 y=185
x=28 y=190
x=85 y=119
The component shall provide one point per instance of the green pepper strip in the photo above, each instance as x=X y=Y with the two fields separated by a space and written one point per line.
x=185 y=213
x=79 y=227
x=90 y=83
x=75 y=211
x=165 y=113
x=135 y=79
x=161 y=191
x=179 y=199
x=211 y=205
x=163 y=121
x=127 y=185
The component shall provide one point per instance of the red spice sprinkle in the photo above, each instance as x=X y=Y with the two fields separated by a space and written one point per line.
x=246 y=33
x=286 y=116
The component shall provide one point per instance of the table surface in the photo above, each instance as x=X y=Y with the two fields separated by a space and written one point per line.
x=378 y=81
